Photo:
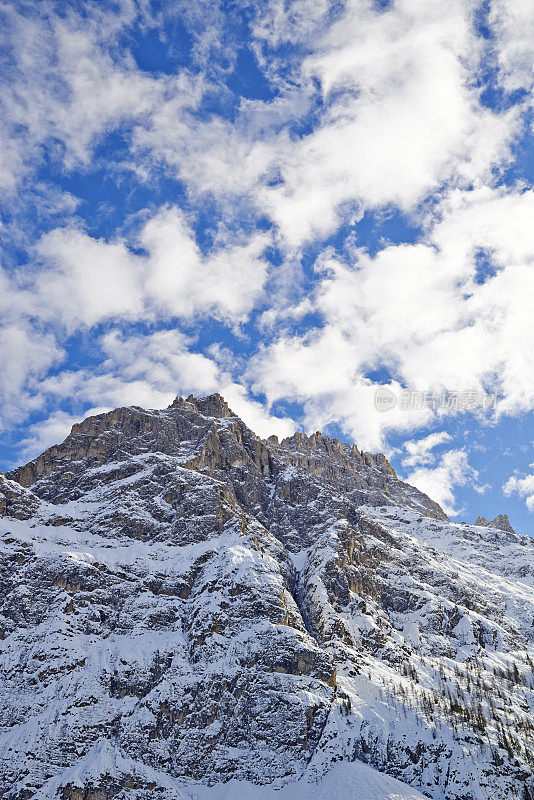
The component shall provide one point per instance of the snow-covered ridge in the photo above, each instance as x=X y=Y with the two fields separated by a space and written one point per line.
x=186 y=606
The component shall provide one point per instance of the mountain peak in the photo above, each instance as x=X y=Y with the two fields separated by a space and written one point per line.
x=212 y=405
x=184 y=602
x=501 y=522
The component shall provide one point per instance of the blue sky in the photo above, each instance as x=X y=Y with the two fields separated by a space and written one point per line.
x=293 y=203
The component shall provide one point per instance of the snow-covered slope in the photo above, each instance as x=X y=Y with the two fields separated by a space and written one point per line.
x=345 y=781
x=188 y=610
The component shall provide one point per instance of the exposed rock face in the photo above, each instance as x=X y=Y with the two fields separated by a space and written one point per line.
x=501 y=522
x=15 y=501
x=182 y=600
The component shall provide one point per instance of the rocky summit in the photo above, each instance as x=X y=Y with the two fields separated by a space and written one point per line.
x=188 y=610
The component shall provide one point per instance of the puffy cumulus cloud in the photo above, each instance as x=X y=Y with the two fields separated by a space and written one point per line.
x=495 y=219
x=389 y=303
x=354 y=409
x=324 y=369
x=452 y=312
x=419 y=451
x=84 y=281
x=320 y=371
x=439 y=482
x=27 y=356
x=401 y=115
x=522 y=486
x=513 y=23
x=304 y=366
x=181 y=281
x=491 y=235
x=163 y=361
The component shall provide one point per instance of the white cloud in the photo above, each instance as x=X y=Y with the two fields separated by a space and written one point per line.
x=513 y=22
x=279 y=23
x=439 y=482
x=27 y=356
x=85 y=280
x=216 y=157
x=162 y=360
x=421 y=311
x=323 y=372
x=402 y=115
x=419 y=451
x=226 y=283
x=523 y=487
x=60 y=64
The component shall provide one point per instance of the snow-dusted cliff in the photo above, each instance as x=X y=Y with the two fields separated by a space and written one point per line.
x=189 y=611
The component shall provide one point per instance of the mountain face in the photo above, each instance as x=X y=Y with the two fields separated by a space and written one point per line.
x=184 y=604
